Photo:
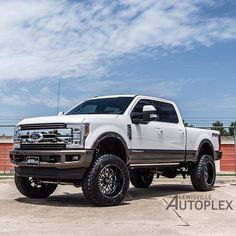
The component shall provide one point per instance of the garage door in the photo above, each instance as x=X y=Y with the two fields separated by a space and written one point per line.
x=227 y=162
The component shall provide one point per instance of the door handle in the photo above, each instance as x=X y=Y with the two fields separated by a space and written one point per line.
x=181 y=132
x=159 y=131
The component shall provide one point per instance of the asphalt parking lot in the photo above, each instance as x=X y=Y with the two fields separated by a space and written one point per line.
x=144 y=211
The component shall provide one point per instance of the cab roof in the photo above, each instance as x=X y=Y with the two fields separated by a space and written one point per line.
x=133 y=95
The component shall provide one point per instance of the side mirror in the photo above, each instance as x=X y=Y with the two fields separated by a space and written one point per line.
x=136 y=118
x=61 y=113
x=149 y=113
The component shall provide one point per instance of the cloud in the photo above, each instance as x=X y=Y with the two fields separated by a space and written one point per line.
x=76 y=39
x=44 y=93
x=41 y=98
x=152 y=86
x=28 y=93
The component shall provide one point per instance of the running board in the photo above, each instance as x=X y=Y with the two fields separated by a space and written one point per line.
x=153 y=165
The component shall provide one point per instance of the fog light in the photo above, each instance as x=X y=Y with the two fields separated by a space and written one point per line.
x=75 y=158
x=70 y=158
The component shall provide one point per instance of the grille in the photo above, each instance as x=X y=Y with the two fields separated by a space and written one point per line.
x=42 y=146
x=43 y=126
x=46 y=137
x=49 y=136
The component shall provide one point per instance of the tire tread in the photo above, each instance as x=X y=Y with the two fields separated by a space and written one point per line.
x=197 y=174
x=89 y=182
x=137 y=181
x=24 y=187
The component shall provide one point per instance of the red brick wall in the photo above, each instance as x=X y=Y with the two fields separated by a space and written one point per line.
x=5 y=165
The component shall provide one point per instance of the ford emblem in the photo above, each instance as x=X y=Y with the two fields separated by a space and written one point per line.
x=36 y=137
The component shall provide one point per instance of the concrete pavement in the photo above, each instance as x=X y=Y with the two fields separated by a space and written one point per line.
x=144 y=212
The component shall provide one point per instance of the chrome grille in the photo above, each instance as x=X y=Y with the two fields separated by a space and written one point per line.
x=50 y=138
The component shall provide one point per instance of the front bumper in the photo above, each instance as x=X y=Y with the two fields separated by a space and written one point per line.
x=53 y=159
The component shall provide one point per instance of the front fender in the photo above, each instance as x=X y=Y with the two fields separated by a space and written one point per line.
x=97 y=134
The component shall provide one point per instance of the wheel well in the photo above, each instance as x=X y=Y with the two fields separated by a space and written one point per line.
x=112 y=145
x=206 y=149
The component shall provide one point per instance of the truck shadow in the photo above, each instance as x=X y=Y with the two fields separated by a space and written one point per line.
x=155 y=191
x=78 y=200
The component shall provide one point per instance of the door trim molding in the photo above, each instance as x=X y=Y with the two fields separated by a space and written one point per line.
x=154 y=156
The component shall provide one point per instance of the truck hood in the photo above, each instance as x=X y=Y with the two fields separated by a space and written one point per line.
x=68 y=119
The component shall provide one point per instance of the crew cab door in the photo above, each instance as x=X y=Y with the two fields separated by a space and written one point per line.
x=160 y=141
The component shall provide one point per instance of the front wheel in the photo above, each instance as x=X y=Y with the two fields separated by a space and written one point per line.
x=31 y=188
x=203 y=174
x=141 y=179
x=107 y=181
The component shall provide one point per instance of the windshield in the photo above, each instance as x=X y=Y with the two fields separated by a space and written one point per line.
x=116 y=105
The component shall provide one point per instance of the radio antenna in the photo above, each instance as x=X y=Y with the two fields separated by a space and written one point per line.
x=58 y=95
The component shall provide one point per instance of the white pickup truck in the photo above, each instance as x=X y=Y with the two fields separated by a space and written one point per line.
x=104 y=143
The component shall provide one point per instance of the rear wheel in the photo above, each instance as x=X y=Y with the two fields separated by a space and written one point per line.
x=203 y=174
x=107 y=181
x=141 y=179
x=31 y=188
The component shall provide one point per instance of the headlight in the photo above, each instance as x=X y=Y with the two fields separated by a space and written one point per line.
x=76 y=134
x=79 y=133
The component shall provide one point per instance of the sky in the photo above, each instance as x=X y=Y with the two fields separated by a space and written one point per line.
x=180 y=50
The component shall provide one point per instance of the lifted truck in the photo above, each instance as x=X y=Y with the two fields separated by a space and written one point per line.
x=104 y=143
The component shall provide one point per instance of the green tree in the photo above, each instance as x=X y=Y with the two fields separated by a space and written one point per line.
x=220 y=127
x=231 y=128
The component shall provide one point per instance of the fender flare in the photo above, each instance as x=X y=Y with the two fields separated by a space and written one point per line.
x=112 y=135
x=204 y=141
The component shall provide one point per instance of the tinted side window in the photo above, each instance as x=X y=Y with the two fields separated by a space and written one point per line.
x=166 y=112
x=139 y=106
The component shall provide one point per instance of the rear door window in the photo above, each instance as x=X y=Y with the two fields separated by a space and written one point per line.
x=166 y=112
